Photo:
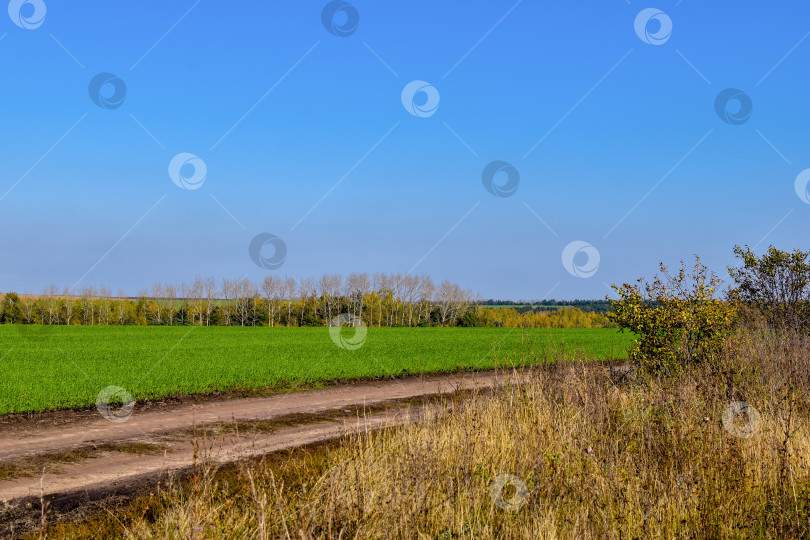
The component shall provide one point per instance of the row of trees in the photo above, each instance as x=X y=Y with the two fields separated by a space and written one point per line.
x=524 y=306
x=570 y=317
x=377 y=300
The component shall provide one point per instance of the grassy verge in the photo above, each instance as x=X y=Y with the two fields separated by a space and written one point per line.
x=569 y=453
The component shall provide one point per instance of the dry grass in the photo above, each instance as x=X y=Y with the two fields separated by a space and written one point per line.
x=643 y=458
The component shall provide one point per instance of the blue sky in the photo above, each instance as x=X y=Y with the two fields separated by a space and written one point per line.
x=281 y=111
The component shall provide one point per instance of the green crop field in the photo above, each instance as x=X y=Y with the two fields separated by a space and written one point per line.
x=59 y=367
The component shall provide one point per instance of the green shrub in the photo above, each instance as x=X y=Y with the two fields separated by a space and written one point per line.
x=776 y=285
x=678 y=318
x=10 y=308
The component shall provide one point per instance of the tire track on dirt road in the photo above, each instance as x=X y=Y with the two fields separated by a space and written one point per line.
x=171 y=427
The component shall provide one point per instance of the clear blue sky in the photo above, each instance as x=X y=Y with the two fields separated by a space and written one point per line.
x=92 y=202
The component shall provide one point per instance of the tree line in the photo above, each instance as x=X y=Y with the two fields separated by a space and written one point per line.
x=523 y=306
x=381 y=300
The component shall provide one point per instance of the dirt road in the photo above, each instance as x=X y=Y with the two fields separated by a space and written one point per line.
x=170 y=429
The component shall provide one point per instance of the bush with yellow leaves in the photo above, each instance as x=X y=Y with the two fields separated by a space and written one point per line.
x=678 y=318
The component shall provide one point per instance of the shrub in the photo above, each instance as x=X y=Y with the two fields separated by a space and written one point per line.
x=776 y=285
x=10 y=308
x=678 y=319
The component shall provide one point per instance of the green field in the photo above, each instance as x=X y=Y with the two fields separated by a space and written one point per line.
x=66 y=366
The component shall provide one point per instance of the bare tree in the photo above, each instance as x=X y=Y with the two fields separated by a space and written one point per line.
x=153 y=307
x=460 y=301
x=227 y=296
x=197 y=292
x=51 y=300
x=409 y=286
x=387 y=285
x=88 y=309
x=426 y=291
x=210 y=298
x=185 y=295
x=357 y=286
x=306 y=290
x=401 y=292
x=330 y=286
x=104 y=306
x=170 y=296
x=69 y=305
x=27 y=305
x=289 y=292
x=271 y=288
x=121 y=308
x=244 y=292
x=381 y=286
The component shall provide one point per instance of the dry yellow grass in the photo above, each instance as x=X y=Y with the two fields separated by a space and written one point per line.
x=590 y=456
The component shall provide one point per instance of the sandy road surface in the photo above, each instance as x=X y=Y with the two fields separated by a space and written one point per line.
x=114 y=469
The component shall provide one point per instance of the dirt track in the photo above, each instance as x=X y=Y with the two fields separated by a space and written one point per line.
x=169 y=428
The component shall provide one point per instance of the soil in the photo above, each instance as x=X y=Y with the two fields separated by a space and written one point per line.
x=82 y=453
